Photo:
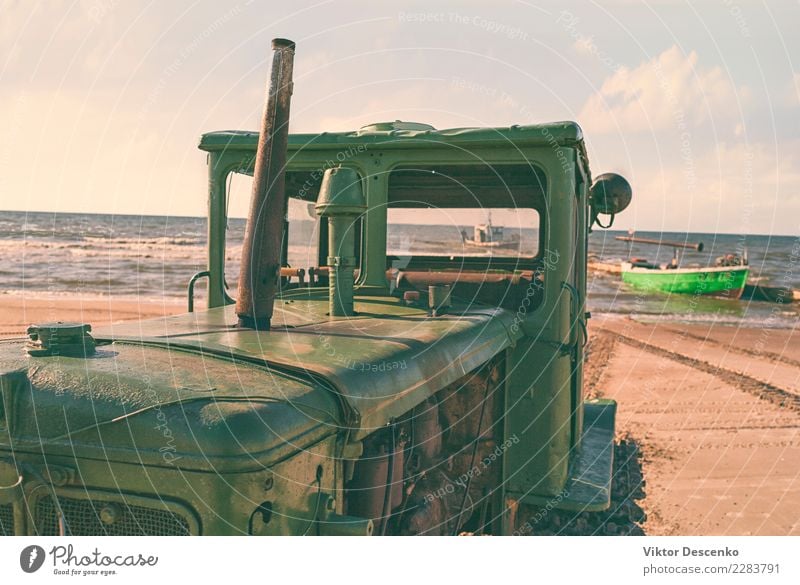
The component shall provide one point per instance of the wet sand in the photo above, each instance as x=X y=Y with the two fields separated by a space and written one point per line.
x=18 y=312
x=715 y=412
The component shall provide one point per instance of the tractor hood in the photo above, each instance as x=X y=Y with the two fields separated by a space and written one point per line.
x=380 y=363
x=197 y=392
x=160 y=405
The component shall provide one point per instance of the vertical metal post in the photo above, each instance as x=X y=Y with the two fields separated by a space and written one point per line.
x=342 y=262
x=218 y=170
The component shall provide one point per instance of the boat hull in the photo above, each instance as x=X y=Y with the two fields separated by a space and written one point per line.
x=724 y=281
x=493 y=245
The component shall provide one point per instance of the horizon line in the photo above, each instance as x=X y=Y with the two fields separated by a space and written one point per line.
x=204 y=217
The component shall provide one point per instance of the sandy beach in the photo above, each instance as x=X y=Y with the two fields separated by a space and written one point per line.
x=18 y=312
x=713 y=411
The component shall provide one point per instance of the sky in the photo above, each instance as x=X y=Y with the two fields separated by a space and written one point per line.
x=697 y=103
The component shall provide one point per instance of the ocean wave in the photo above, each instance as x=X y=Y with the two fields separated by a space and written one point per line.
x=92 y=296
x=104 y=248
x=165 y=241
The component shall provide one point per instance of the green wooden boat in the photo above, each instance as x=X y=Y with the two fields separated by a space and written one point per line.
x=725 y=281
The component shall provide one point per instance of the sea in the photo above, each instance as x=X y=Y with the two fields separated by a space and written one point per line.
x=153 y=257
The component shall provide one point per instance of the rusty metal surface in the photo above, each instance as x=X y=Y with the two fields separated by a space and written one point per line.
x=428 y=277
x=261 y=258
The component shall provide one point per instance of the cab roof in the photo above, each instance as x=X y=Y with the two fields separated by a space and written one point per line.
x=401 y=134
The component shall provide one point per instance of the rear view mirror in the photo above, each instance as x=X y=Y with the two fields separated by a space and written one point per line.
x=609 y=195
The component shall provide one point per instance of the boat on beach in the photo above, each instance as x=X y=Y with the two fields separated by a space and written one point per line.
x=727 y=278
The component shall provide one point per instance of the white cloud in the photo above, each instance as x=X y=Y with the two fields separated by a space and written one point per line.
x=583 y=45
x=734 y=187
x=670 y=91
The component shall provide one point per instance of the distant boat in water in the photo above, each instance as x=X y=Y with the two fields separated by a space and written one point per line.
x=727 y=278
x=490 y=236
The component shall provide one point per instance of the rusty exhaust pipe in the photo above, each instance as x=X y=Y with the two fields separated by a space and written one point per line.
x=261 y=252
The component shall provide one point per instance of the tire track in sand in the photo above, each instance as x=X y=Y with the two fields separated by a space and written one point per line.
x=762 y=390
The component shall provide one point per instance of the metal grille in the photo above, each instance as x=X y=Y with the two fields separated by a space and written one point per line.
x=99 y=518
x=6 y=520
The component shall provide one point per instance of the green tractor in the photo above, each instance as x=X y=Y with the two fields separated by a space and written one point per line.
x=422 y=374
